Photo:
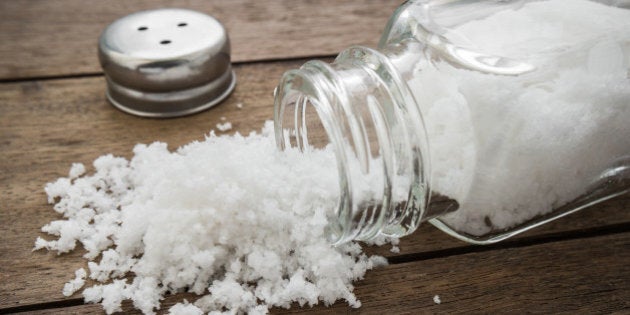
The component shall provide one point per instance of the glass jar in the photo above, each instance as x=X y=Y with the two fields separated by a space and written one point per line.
x=485 y=118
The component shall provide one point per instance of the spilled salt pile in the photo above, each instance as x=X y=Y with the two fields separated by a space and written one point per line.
x=230 y=218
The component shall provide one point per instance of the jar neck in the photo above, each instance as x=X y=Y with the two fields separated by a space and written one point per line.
x=360 y=107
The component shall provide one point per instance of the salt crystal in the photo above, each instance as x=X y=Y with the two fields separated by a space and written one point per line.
x=76 y=170
x=185 y=309
x=75 y=284
x=224 y=126
x=230 y=218
x=239 y=105
x=436 y=299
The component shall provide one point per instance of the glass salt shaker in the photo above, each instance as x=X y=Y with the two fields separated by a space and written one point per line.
x=484 y=118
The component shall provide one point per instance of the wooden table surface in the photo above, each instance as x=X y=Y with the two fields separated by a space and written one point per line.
x=53 y=112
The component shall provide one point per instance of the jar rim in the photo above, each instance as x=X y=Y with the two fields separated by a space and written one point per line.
x=321 y=85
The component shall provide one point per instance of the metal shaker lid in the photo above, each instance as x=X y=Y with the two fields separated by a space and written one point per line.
x=166 y=62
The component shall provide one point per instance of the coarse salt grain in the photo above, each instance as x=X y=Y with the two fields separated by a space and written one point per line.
x=224 y=126
x=75 y=284
x=76 y=170
x=185 y=309
x=436 y=299
x=230 y=218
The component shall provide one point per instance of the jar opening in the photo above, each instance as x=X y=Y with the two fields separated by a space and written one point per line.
x=360 y=109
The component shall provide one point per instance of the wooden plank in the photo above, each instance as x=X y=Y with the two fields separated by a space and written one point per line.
x=35 y=277
x=584 y=276
x=59 y=37
x=47 y=125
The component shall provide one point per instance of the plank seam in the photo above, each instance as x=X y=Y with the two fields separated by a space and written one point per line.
x=516 y=243
x=42 y=306
x=100 y=73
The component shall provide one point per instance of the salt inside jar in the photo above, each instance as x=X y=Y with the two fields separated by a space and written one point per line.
x=518 y=112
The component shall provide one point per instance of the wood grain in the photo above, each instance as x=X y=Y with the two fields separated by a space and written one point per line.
x=547 y=278
x=579 y=264
x=59 y=37
x=47 y=125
